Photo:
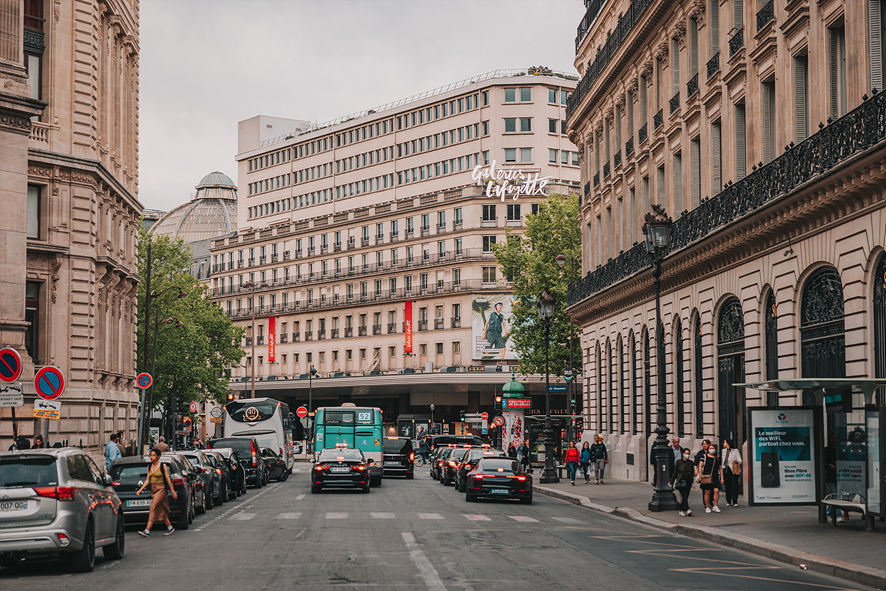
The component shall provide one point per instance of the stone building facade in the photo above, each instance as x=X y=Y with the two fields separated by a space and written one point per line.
x=745 y=121
x=71 y=215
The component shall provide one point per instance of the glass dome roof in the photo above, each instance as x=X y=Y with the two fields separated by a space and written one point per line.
x=210 y=214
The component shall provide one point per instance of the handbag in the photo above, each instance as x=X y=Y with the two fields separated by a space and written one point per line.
x=736 y=467
x=706 y=478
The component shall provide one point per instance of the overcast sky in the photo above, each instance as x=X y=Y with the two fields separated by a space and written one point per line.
x=207 y=64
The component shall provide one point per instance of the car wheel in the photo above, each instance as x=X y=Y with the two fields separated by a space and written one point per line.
x=470 y=498
x=184 y=521
x=115 y=551
x=410 y=475
x=223 y=496
x=365 y=489
x=8 y=562
x=191 y=511
x=315 y=489
x=284 y=476
x=527 y=501
x=209 y=501
x=376 y=482
x=83 y=560
x=201 y=508
x=463 y=486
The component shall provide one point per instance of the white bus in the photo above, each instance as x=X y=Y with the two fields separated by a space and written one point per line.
x=266 y=420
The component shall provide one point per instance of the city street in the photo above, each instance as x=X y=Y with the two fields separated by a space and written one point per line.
x=414 y=534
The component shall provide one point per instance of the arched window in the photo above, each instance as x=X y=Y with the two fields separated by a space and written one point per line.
x=679 y=394
x=698 y=377
x=822 y=332
x=622 y=407
x=771 y=328
x=632 y=343
x=880 y=324
x=730 y=371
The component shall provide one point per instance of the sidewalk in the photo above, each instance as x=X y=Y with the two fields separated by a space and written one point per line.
x=788 y=534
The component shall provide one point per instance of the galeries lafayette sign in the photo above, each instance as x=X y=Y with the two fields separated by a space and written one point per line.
x=509 y=182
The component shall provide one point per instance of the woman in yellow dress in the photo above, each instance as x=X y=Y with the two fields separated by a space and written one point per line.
x=158 y=477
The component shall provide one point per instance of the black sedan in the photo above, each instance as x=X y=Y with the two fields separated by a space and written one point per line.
x=229 y=462
x=438 y=458
x=451 y=465
x=469 y=462
x=212 y=479
x=276 y=466
x=340 y=468
x=129 y=473
x=499 y=478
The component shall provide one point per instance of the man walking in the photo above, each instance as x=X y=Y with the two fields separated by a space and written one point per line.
x=112 y=452
x=162 y=447
x=599 y=458
x=523 y=454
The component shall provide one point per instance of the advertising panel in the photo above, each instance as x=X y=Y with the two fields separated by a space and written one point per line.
x=407 y=323
x=512 y=432
x=783 y=453
x=491 y=319
x=272 y=339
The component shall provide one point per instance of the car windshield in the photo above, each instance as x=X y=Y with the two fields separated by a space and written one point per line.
x=396 y=446
x=268 y=452
x=241 y=446
x=458 y=454
x=195 y=460
x=26 y=472
x=494 y=464
x=129 y=472
x=338 y=455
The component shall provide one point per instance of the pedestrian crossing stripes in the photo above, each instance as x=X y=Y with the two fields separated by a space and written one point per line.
x=289 y=515
x=244 y=516
x=565 y=519
x=430 y=516
x=383 y=516
x=336 y=516
x=523 y=519
x=473 y=517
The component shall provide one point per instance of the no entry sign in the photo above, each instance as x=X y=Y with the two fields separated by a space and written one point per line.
x=144 y=380
x=49 y=382
x=10 y=365
x=484 y=415
x=301 y=412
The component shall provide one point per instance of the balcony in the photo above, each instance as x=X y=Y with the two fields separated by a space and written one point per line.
x=643 y=133
x=596 y=179
x=392 y=328
x=286 y=256
x=736 y=42
x=456 y=323
x=674 y=103
x=311 y=251
x=438 y=324
x=658 y=119
x=616 y=159
x=426 y=231
x=260 y=340
x=606 y=170
x=336 y=247
x=692 y=86
x=765 y=15
x=284 y=337
x=457 y=225
x=349 y=332
x=422 y=325
x=252 y=262
x=629 y=147
x=362 y=331
x=625 y=25
x=844 y=139
x=321 y=335
x=309 y=335
x=714 y=64
x=248 y=341
x=376 y=329
x=394 y=236
x=273 y=259
x=587 y=21
x=587 y=191
x=296 y=337
x=364 y=241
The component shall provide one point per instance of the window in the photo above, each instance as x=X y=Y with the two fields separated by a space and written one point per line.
x=564 y=97
x=33 y=224
x=439 y=348
x=661 y=185
x=876 y=40
x=552 y=125
x=510 y=124
x=456 y=277
x=458 y=246
x=801 y=98
x=740 y=142
x=695 y=155
x=489 y=213
x=525 y=95
x=488 y=241
x=488 y=274
x=525 y=124
x=715 y=26
x=552 y=156
x=510 y=95
x=837 y=70
x=716 y=157
x=32 y=315
x=693 y=47
x=769 y=130
x=525 y=155
x=513 y=212
x=552 y=95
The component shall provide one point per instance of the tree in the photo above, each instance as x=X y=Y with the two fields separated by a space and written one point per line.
x=194 y=340
x=529 y=261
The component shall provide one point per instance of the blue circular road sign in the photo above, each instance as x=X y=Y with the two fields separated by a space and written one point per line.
x=10 y=365
x=144 y=380
x=49 y=383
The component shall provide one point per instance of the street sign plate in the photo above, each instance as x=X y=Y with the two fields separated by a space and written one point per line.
x=12 y=395
x=484 y=431
x=47 y=409
x=187 y=422
x=193 y=407
x=568 y=374
x=557 y=388
x=144 y=380
x=216 y=412
x=484 y=416
x=499 y=421
x=10 y=365
x=215 y=420
x=301 y=412
x=49 y=382
x=306 y=422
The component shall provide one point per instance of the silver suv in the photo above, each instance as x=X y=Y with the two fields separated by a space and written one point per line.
x=57 y=502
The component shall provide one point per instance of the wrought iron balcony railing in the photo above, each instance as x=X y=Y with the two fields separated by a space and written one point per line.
x=765 y=15
x=714 y=64
x=675 y=103
x=736 y=42
x=587 y=21
x=857 y=131
x=596 y=179
x=642 y=133
x=658 y=119
x=629 y=147
x=616 y=159
x=692 y=86
x=605 y=169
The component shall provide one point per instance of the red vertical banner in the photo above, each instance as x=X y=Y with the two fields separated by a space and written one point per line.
x=407 y=346
x=272 y=339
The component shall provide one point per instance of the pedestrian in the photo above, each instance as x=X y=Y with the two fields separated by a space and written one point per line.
x=710 y=474
x=584 y=459
x=523 y=454
x=158 y=477
x=161 y=446
x=699 y=457
x=599 y=457
x=512 y=451
x=571 y=460
x=681 y=480
x=38 y=441
x=121 y=443
x=731 y=461
x=112 y=452
x=676 y=449
x=20 y=443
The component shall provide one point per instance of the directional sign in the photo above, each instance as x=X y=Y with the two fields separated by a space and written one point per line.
x=215 y=420
x=567 y=373
x=49 y=382
x=193 y=407
x=47 y=409
x=10 y=365
x=484 y=416
x=559 y=388
x=144 y=380
x=499 y=421
x=12 y=396
x=301 y=412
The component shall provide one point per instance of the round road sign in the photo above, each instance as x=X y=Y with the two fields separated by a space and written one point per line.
x=144 y=380
x=10 y=365
x=49 y=383
x=499 y=421
x=187 y=422
x=484 y=416
x=301 y=412
x=568 y=373
x=193 y=407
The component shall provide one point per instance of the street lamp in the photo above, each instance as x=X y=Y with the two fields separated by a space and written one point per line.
x=658 y=236
x=570 y=433
x=251 y=285
x=432 y=418
x=311 y=373
x=545 y=313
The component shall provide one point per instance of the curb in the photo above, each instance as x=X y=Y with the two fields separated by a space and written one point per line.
x=856 y=573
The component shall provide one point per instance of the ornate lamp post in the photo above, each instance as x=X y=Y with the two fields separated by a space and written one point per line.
x=545 y=313
x=657 y=230
x=251 y=285
x=570 y=432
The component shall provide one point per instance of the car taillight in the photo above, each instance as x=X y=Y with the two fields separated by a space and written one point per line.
x=411 y=456
x=477 y=477
x=178 y=482
x=520 y=478
x=253 y=460
x=281 y=451
x=359 y=467
x=219 y=470
x=115 y=484
x=320 y=467
x=59 y=493
x=453 y=464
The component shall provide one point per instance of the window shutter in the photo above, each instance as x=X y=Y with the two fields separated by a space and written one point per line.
x=675 y=51
x=800 y=110
x=716 y=163
x=737 y=14
x=832 y=71
x=715 y=26
x=693 y=47
x=767 y=123
x=678 y=184
x=875 y=34
x=695 y=148
x=740 y=149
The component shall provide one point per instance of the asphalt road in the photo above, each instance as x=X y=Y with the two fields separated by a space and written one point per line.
x=416 y=535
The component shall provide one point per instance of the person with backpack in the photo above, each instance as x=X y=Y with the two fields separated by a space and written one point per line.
x=584 y=459
x=599 y=457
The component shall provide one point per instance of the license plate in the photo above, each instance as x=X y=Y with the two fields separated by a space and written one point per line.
x=392 y=463
x=339 y=469
x=13 y=505
x=139 y=503
x=499 y=491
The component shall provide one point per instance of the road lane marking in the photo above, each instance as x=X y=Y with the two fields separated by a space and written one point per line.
x=523 y=519
x=430 y=516
x=383 y=516
x=243 y=516
x=289 y=515
x=336 y=516
x=299 y=497
x=425 y=569
x=475 y=517
x=566 y=520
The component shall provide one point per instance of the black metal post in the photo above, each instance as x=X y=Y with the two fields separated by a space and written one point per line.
x=143 y=412
x=663 y=499
x=549 y=475
x=311 y=372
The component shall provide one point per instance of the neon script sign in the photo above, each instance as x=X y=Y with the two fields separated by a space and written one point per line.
x=510 y=182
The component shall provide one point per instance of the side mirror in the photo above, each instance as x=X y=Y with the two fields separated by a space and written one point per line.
x=311 y=460
x=107 y=480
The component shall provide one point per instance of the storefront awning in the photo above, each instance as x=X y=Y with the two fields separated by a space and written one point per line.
x=821 y=386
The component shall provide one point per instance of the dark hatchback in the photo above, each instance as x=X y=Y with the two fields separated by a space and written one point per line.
x=129 y=473
x=340 y=468
x=213 y=479
x=250 y=457
x=229 y=462
x=450 y=467
x=499 y=478
x=438 y=456
x=469 y=462
x=274 y=464
x=398 y=457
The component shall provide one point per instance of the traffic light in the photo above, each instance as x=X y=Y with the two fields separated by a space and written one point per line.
x=461 y=415
x=497 y=402
x=232 y=397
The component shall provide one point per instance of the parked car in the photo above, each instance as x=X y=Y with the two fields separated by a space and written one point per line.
x=228 y=460
x=499 y=478
x=451 y=465
x=56 y=502
x=211 y=477
x=435 y=441
x=275 y=465
x=436 y=460
x=130 y=472
x=340 y=468
x=249 y=453
x=398 y=457
x=469 y=462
